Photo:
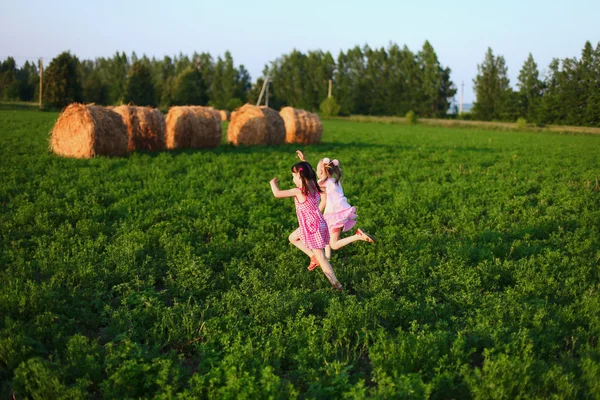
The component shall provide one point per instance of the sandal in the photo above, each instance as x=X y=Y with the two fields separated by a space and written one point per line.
x=337 y=287
x=313 y=263
x=365 y=236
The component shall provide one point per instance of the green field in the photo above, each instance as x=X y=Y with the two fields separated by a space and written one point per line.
x=170 y=275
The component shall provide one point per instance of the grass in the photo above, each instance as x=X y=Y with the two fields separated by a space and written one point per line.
x=19 y=105
x=478 y=125
x=169 y=274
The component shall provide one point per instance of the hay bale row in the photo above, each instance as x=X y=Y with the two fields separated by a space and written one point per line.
x=253 y=125
x=145 y=127
x=85 y=131
x=301 y=126
x=192 y=127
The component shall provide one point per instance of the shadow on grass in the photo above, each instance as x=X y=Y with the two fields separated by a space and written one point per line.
x=329 y=147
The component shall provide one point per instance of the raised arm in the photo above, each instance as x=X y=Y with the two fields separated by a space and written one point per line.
x=283 y=193
x=300 y=155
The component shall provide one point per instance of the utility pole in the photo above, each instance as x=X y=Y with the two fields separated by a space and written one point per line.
x=262 y=91
x=41 y=74
x=462 y=92
x=329 y=91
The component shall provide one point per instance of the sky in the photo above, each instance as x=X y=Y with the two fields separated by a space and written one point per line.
x=259 y=32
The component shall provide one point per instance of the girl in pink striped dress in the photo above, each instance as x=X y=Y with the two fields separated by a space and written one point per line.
x=312 y=235
x=338 y=214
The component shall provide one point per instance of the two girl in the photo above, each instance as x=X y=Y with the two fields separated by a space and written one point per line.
x=321 y=219
x=338 y=214
x=312 y=236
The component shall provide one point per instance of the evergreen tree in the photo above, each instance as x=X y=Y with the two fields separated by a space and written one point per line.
x=62 y=82
x=551 y=110
x=431 y=84
x=9 y=86
x=217 y=97
x=287 y=80
x=492 y=89
x=243 y=85
x=183 y=62
x=139 y=89
x=395 y=96
x=447 y=93
x=411 y=73
x=206 y=65
x=593 y=104
x=342 y=85
x=28 y=81
x=588 y=85
x=530 y=90
x=165 y=75
x=437 y=89
x=33 y=75
x=95 y=90
x=318 y=70
x=351 y=88
x=118 y=70
x=189 y=88
x=375 y=80
x=224 y=83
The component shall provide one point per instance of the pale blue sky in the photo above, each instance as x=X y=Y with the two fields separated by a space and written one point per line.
x=258 y=32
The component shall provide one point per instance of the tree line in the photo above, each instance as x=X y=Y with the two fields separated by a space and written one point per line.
x=180 y=80
x=368 y=81
x=569 y=94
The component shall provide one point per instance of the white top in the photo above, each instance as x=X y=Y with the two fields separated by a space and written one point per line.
x=336 y=201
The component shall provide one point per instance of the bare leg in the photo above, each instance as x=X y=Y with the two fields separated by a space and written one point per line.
x=325 y=266
x=328 y=252
x=295 y=240
x=336 y=243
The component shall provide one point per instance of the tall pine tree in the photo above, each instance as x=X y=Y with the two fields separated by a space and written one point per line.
x=492 y=88
x=190 y=88
x=530 y=90
x=139 y=89
x=62 y=81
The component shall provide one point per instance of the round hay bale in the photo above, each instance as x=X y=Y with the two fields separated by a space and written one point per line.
x=145 y=127
x=301 y=126
x=252 y=125
x=275 y=126
x=216 y=116
x=192 y=127
x=224 y=115
x=87 y=131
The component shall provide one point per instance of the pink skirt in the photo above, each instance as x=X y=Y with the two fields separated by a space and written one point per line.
x=343 y=220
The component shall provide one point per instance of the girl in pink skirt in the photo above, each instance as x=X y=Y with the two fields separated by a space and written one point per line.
x=312 y=235
x=339 y=215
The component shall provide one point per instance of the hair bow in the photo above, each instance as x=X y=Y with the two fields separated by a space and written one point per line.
x=328 y=161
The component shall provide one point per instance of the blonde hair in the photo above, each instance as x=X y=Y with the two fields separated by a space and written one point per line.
x=332 y=169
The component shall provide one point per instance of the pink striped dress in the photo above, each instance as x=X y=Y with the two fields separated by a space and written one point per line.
x=313 y=229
